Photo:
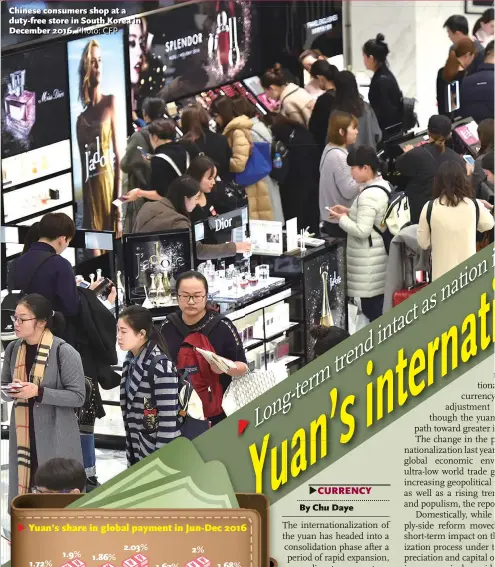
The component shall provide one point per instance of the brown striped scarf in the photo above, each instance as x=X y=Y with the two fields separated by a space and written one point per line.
x=22 y=406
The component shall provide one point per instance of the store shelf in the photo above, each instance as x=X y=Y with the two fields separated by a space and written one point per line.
x=289 y=360
x=291 y=326
x=252 y=343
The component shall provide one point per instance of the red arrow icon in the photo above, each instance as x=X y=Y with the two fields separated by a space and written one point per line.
x=20 y=527
x=241 y=426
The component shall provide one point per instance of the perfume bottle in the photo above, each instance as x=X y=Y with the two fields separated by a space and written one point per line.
x=326 y=319
x=167 y=288
x=99 y=274
x=20 y=106
x=234 y=53
x=223 y=37
x=152 y=292
x=92 y=278
x=160 y=290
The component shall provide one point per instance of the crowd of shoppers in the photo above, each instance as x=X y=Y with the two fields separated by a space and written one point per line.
x=334 y=183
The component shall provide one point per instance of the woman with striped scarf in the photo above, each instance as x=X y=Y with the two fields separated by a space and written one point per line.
x=149 y=390
x=45 y=378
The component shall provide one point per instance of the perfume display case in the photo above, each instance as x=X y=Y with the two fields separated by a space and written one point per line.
x=152 y=262
x=321 y=272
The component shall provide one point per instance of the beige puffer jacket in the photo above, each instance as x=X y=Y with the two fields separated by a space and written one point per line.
x=238 y=134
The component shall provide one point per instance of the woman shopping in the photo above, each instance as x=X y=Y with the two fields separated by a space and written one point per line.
x=337 y=185
x=134 y=165
x=348 y=99
x=170 y=160
x=45 y=378
x=238 y=131
x=418 y=166
x=173 y=212
x=211 y=202
x=384 y=95
x=195 y=123
x=295 y=102
x=149 y=399
x=366 y=254
x=219 y=334
x=449 y=223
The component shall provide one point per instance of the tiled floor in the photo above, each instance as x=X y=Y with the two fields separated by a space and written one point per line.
x=108 y=464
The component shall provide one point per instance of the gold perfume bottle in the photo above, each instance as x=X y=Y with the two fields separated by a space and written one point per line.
x=160 y=291
x=326 y=319
x=152 y=292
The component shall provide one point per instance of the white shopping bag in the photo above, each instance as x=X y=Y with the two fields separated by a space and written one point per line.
x=357 y=319
x=247 y=388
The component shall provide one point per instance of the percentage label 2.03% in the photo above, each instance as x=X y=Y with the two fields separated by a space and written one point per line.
x=140 y=547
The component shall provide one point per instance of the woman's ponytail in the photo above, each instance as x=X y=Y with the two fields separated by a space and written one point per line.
x=438 y=142
x=451 y=68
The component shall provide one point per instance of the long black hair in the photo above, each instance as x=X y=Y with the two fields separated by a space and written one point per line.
x=347 y=97
x=377 y=48
x=182 y=187
x=139 y=319
x=41 y=308
x=200 y=166
x=32 y=236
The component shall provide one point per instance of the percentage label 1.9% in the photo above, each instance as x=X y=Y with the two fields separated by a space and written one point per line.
x=40 y=564
x=105 y=557
x=72 y=555
x=138 y=548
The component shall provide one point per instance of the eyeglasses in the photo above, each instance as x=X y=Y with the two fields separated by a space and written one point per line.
x=195 y=298
x=15 y=319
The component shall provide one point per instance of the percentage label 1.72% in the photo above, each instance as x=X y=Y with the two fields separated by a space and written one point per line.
x=40 y=564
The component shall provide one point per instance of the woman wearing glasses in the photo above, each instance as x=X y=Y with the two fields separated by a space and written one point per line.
x=149 y=401
x=44 y=377
x=195 y=317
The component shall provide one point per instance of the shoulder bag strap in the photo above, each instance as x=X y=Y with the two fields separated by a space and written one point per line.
x=171 y=162
x=179 y=324
x=429 y=210
x=211 y=325
x=35 y=268
x=288 y=95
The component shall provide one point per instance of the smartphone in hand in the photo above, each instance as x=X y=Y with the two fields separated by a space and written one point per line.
x=145 y=154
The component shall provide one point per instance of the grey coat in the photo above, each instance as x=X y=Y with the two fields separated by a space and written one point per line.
x=159 y=216
x=55 y=423
x=405 y=258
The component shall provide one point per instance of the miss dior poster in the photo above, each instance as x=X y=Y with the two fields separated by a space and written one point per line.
x=35 y=100
x=98 y=127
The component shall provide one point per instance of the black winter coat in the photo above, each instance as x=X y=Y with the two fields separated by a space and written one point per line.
x=385 y=98
x=299 y=191
x=477 y=93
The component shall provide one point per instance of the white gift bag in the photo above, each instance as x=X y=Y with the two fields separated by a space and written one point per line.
x=247 y=388
x=357 y=319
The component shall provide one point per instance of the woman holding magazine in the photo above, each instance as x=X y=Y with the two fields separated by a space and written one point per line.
x=149 y=390
x=210 y=331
